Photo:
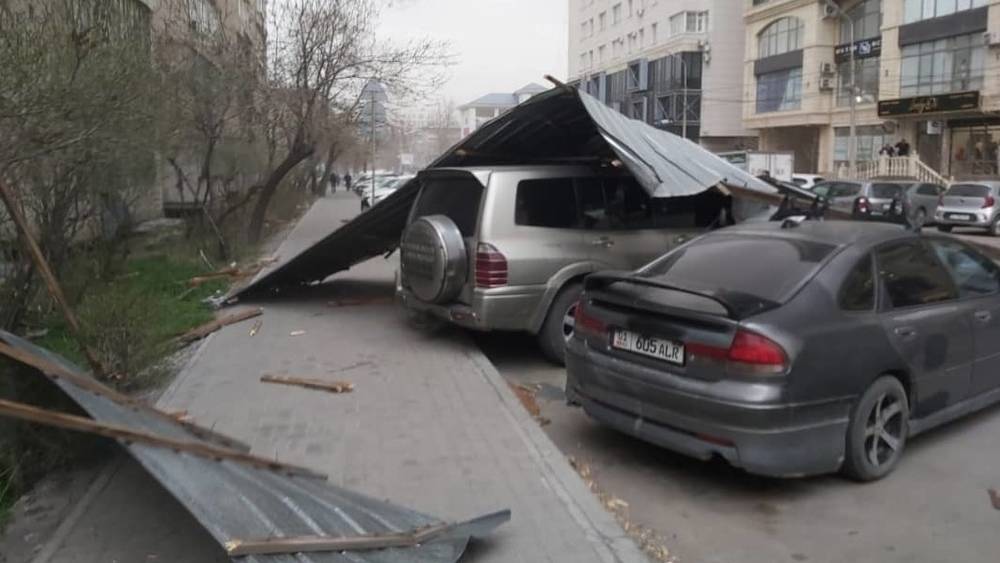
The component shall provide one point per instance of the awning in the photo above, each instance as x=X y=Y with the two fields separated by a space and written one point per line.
x=562 y=125
x=256 y=508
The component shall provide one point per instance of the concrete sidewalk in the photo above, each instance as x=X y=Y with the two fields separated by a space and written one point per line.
x=430 y=425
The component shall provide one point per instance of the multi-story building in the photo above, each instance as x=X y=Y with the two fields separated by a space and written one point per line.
x=484 y=108
x=923 y=74
x=675 y=64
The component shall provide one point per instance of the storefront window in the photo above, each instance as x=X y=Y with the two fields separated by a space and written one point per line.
x=871 y=139
x=779 y=91
x=916 y=10
x=867 y=18
x=866 y=75
x=947 y=65
x=974 y=150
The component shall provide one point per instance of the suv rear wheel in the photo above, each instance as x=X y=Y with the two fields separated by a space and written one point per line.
x=559 y=323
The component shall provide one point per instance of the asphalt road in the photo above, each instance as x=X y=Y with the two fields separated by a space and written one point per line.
x=934 y=508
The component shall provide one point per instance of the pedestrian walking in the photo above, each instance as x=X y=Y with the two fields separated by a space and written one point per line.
x=334 y=182
x=347 y=181
x=902 y=148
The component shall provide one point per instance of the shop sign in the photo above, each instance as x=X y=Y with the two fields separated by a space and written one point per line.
x=864 y=49
x=918 y=105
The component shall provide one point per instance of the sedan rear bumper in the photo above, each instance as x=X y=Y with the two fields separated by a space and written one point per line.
x=780 y=440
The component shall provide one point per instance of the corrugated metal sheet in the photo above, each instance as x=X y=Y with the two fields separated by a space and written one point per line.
x=234 y=501
x=560 y=125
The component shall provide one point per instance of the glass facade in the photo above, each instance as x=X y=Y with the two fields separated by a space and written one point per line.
x=779 y=91
x=779 y=37
x=866 y=73
x=974 y=149
x=947 y=65
x=916 y=10
x=867 y=18
x=871 y=139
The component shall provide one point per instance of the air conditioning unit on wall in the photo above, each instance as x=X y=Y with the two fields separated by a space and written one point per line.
x=991 y=38
x=826 y=84
x=829 y=12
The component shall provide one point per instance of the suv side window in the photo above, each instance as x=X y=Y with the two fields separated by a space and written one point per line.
x=858 y=291
x=845 y=190
x=593 y=209
x=974 y=274
x=549 y=202
x=928 y=190
x=911 y=276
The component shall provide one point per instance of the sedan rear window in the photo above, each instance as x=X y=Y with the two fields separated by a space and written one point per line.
x=765 y=268
x=886 y=191
x=969 y=190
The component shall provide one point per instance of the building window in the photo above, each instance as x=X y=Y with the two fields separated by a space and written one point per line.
x=639 y=110
x=954 y=64
x=867 y=18
x=916 y=10
x=616 y=14
x=631 y=10
x=689 y=22
x=653 y=30
x=601 y=53
x=779 y=91
x=779 y=37
x=602 y=21
x=871 y=139
x=642 y=39
x=975 y=150
x=866 y=73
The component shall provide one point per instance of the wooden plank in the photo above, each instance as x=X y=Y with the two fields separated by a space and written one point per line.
x=208 y=328
x=55 y=290
x=54 y=370
x=329 y=386
x=45 y=417
x=313 y=544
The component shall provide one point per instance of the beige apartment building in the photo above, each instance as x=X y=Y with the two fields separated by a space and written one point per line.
x=926 y=72
x=675 y=64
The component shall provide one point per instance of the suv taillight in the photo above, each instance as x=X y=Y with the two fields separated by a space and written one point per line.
x=491 y=266
x=989 y=202
x=748 y=353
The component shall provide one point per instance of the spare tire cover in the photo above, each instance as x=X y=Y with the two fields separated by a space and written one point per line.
x=433 y=260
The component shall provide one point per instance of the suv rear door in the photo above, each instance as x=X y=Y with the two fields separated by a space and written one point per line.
x=626 y=229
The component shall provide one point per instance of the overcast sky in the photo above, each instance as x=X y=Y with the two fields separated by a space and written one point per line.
x=499 y=45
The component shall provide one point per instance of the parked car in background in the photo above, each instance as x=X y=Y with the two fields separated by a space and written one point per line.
x=970 y=204
x=507 y=247
x=385 y=188
x=875 y=200
x=870 y=335
x=806 y=180
x=923 y=201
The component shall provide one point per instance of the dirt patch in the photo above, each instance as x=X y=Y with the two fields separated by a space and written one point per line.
x=526 y=395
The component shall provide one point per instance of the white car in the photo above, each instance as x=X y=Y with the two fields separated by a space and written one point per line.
x=383 y=189
x=807 y=181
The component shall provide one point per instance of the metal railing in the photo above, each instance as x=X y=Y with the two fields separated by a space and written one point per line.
x=893 y=167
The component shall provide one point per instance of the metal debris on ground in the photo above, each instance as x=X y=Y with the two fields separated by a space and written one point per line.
x=296 y=333
x=208 y=328
x=246 y=503
x=995 y=498
x=651 y=543
x=320 y=385
x=256 y=327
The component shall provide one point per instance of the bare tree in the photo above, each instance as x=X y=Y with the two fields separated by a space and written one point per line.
x=320 y=57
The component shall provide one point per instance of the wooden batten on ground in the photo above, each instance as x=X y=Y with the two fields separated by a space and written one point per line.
x=328 y=386
x=208 y=328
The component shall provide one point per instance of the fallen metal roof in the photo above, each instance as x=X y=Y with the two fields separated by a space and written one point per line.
x=559 y=125
x=240 y=503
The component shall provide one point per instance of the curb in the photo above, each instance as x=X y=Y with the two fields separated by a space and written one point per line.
x=605 y=534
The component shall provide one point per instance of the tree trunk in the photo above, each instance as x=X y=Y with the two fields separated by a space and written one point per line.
x=331 y=156
x=294 y=157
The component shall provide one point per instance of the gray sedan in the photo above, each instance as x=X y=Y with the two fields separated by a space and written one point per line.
x=791 y=349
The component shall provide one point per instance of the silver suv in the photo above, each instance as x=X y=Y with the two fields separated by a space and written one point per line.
x=970 y=204
x=506 y=248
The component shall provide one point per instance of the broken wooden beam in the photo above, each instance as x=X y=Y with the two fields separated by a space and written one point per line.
x=204 y=330
x=328 y=386
x=313 y=544
x=56 y=371
x=55 y=419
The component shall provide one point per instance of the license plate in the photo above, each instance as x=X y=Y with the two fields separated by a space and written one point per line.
x=666 y=350
x=961 y=217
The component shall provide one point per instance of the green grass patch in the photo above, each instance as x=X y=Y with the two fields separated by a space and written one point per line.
x=131 y=321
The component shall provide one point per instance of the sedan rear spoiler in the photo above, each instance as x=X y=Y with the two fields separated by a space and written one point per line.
x=737 y=305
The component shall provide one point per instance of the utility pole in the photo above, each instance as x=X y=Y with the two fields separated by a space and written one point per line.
x=852 y=140
x=372 y=200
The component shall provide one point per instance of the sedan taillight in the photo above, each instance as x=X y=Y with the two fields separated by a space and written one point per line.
x=585 y=323
x=748 y=353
